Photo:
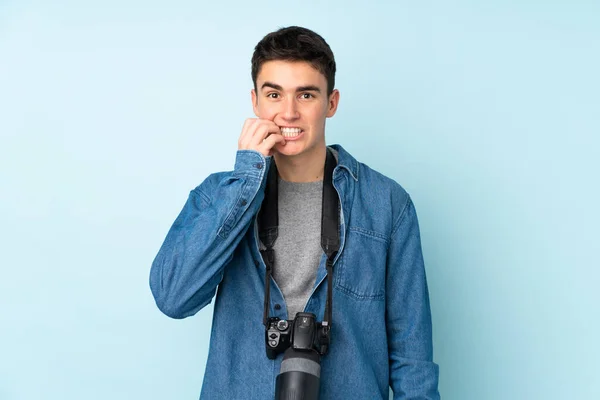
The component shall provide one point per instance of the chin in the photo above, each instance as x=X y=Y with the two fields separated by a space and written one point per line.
x=290 y=149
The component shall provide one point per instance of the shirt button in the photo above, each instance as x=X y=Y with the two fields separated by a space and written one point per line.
x=278 y=306
x=244 y=202
x=259 y=165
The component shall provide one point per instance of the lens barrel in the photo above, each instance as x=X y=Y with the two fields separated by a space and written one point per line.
x=299 y=376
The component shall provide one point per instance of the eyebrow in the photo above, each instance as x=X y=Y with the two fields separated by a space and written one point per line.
x=307 y=88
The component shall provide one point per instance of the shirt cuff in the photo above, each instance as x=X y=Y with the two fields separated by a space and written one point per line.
x=250 y=163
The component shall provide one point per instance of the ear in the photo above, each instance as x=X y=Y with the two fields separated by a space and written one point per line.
x=254 y=101
x=332 y=104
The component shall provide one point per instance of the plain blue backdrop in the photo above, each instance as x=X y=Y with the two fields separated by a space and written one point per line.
x=486 y=112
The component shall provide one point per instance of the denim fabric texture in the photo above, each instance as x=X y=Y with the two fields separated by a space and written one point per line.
x=381 y=333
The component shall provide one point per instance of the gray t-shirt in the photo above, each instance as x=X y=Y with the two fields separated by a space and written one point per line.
x=298 y=245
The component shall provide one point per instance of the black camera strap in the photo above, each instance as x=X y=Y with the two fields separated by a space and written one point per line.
x=268 y=218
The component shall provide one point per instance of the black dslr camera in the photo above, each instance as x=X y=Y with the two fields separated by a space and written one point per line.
x=303 y=341
x=302 y=334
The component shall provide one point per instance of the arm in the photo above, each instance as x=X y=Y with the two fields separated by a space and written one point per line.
x=191 y=261
x=413 y=374
x=201 y=242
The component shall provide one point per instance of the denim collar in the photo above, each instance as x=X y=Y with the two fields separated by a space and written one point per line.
x=345 y=160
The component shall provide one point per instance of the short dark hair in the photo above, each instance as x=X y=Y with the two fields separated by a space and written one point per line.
x=295 y=43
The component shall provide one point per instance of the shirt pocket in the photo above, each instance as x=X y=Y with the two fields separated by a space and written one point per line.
x=362 y=265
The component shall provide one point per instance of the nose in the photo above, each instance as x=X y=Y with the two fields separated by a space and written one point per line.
x=290 y=109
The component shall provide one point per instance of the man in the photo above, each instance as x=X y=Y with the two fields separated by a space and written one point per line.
x=381 y=323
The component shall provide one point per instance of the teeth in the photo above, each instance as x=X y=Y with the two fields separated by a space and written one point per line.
x=290 y=132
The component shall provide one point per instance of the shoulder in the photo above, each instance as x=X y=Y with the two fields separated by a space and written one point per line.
x=368 y=179
x=386 y=191
x=376 y=180
x=377 y=195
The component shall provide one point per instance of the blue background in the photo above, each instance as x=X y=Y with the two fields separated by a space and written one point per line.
x=487 y=113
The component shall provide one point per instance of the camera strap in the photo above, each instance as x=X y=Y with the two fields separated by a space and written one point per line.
x=268 y=218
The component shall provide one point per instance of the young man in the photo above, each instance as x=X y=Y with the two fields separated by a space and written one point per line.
x=380 y=323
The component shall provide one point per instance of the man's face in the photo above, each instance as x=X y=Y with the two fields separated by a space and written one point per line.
x=293 y=95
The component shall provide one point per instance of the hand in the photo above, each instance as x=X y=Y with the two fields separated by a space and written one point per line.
x=261 y=135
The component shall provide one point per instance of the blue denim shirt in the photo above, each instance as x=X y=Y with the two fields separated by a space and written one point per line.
x=381 y=332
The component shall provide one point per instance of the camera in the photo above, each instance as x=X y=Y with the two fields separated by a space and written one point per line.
x=303 y=342
x=302 y=333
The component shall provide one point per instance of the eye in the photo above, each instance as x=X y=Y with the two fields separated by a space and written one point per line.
x=306 y=96
x=273 y=95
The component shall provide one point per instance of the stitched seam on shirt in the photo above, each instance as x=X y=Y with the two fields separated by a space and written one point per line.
x=204 y=197
x=246 y=174
x=370 y=234
x=200 y=193
x=401 y=216
x=227 y=225
x=350 y=293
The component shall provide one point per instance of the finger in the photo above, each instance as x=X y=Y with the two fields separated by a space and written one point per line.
x=269 y=143
x=247 y=133
x=264 y=129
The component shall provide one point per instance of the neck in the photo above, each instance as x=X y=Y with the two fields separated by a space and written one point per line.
x=307 y=167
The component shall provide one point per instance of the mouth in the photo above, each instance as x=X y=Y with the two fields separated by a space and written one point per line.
x=290 y=133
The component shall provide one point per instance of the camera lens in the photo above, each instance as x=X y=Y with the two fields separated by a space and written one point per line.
x=299 y=376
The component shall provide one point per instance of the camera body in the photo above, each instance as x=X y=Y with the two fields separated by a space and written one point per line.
x=303 y=333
